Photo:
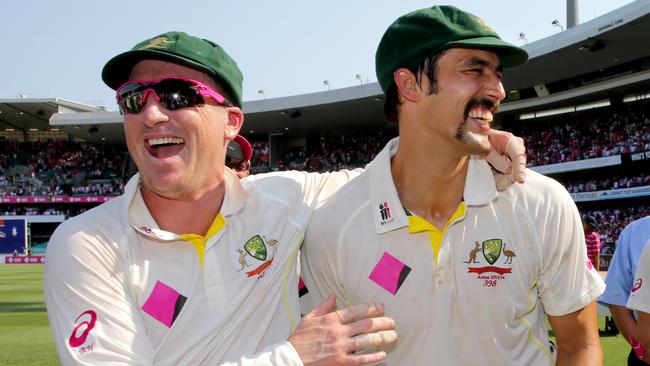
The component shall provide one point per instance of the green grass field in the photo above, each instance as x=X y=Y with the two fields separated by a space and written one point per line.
x=26 y=338
x=24 y=330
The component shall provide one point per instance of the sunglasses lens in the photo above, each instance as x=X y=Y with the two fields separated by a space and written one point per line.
x=173 y=94
x=176 y=94
x=130 y=97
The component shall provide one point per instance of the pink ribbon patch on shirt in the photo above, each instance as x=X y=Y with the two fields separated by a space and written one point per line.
x=389 y=273
x=164 y=304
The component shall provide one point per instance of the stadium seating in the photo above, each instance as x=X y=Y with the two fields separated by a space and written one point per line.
x=68 y=168
x=588 y=135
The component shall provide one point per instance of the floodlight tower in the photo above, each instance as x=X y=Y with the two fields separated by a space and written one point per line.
x=571 y=13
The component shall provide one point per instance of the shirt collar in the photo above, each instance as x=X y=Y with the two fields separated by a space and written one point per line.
x=388 y=212
x=141 y=220
x=235 y=196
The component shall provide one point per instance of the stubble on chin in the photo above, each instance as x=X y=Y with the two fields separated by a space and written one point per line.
x=475 y=147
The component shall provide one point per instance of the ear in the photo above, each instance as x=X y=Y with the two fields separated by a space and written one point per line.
x=407 y=84
x=234 y=123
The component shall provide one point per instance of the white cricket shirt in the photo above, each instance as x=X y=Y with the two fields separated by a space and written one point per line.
x=503 y=263
x=640 y=294
x=121 y=291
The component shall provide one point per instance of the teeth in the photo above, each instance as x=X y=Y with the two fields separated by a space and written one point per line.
x=166 y=141
x=481 y=114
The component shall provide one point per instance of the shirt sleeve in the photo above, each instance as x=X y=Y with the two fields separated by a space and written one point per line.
x=314 y=188
x=92 y=316
x=620 y=273
x=567 y=281
x=95 y=320
x=319 y=265
x=640 y=294
x=281 y=354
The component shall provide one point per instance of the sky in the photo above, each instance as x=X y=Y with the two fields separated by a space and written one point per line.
x=56 y=49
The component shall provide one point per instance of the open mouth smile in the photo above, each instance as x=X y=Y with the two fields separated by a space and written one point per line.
x=164 y=147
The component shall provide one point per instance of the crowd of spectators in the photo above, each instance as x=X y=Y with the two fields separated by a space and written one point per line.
x=260 y=159
x=613 y=220
x=345 y=152
x=49 y=209
x=67 y=168
x=606 y=183
x=594 y=134
x=59 y=167
x=99 y=189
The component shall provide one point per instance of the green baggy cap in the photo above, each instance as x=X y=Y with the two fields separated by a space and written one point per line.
x=427 y=31
x=180 y=48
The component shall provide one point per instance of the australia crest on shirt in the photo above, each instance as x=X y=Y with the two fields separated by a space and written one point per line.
x=256 y=255
x=490 y=260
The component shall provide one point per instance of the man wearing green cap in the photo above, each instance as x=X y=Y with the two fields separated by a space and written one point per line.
x=469 y=274
x=191 y=266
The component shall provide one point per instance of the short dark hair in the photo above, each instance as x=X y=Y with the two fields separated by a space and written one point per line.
x=428 y=66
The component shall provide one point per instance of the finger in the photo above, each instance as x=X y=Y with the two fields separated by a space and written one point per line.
x=326 y=307
x=499 y=139
x=498 y=161
x=364 y=359
x=503 y=181
x=359 y=311
x=519 y=169
x=517 y=153
x=515 y=147
x=370 y=325
x=372 y=340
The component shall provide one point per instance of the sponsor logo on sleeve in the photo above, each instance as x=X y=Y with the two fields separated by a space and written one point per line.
x=637 y=285
x=84 y=324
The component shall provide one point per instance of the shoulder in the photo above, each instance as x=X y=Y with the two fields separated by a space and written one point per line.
x=335 y=212
x=638 y=226
x=537 y=184
x=349 y=196
x=539 y=195
x=299 y=177
x=91 y=232
x=291 y=185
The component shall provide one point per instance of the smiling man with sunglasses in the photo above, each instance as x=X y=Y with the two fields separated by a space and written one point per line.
x=191 y=266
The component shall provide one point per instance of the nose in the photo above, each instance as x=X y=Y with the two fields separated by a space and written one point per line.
x=152 y=113
x=495 y=88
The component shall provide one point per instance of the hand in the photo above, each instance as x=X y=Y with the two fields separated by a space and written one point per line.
x=326 y=337
x=508 y=157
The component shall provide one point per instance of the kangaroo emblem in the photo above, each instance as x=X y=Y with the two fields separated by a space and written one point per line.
x=273 y=244
x=242 y=260
x=508 y=253
x=472 y=253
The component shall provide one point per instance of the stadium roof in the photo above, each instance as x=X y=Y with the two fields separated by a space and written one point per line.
x=614 y=39
x=609 y=40
x=34 y=113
